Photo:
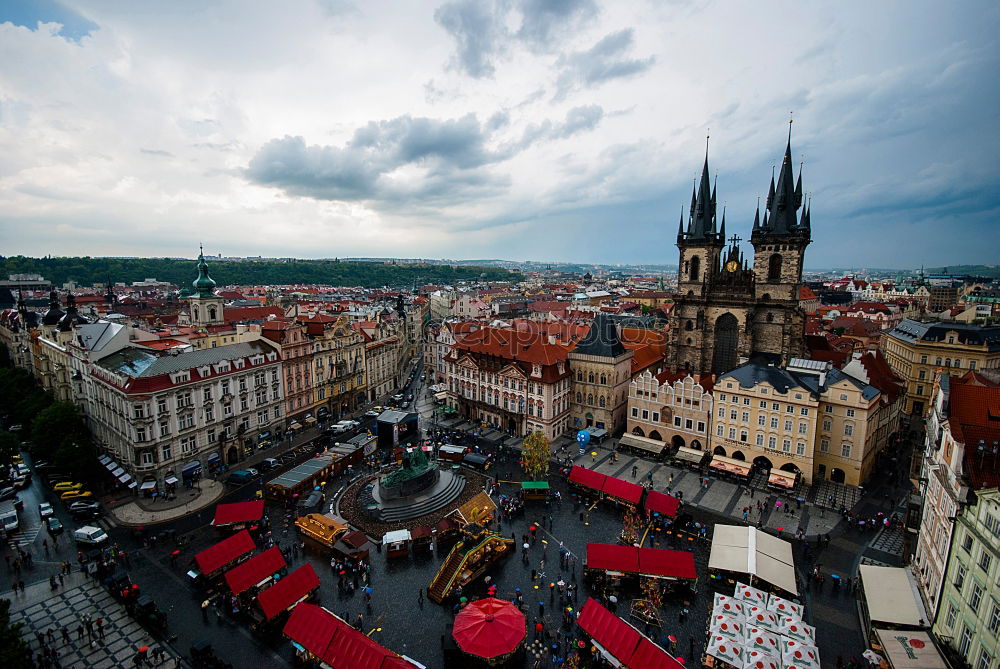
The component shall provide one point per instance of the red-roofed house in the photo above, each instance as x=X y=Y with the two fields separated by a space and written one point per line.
x=808 y=300
x=300 y=382
x=515 y=379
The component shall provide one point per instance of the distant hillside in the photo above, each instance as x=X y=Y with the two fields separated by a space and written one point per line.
x=92 y=271
x=992 y=271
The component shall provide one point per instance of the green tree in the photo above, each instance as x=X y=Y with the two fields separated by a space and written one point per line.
x=535 y=456
x=14 y=652
x=10 y=446
x=60 y=436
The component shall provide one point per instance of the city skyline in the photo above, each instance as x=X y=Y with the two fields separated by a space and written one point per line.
x=547 y=131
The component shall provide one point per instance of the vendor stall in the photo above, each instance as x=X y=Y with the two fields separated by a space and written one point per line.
x=213 y=562
x=738 y=469
x=298 y=586
x=256 y=573
x=319 y=635
x=621 y=643
x=535 y=490
x=745 y=552
x=396 y=543
x=239 y=516
x=423 y=539
x=587 y=481
x=657 y=502
x=641 y=445
x=622 y=492
x=782 y=480
x=353 y=546
x=612 y=563
x=301 y=480
x=322 y=530
x=690 y=456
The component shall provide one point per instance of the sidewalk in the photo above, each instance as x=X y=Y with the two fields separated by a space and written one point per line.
x=40 y=610
x=148 y=512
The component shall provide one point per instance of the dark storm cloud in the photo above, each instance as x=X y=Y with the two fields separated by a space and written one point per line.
x=481 y=29
x=454 y=154
x=606 y=60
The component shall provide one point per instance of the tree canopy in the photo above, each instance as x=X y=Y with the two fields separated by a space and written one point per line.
x=87 y=271
x=535 y=455
x=14 y=652
x=60 y=435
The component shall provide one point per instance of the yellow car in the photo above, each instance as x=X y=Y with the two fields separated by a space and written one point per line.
x=75 y=494
x=67 y=485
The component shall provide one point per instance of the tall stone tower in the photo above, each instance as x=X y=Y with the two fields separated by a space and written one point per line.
x=206 y=305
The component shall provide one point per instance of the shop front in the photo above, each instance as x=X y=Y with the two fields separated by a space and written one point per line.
x=191 y=473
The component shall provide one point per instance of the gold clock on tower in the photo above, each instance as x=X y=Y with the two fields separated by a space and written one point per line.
x=732 y=266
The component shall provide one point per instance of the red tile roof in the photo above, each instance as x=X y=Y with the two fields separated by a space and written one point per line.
x=288 y=591
x=975 y=420
x=805 y=293
x=244 y=314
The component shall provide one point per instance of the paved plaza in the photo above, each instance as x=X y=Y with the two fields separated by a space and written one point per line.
x=41 y=610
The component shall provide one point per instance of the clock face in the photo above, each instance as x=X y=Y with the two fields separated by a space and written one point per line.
x=732 y=266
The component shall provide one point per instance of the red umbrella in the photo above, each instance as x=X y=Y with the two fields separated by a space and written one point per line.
x=489 y=628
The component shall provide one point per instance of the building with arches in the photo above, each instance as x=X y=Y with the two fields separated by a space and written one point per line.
x=673 y=408
x=808 y=418
x=602 y=369
x=730 y=309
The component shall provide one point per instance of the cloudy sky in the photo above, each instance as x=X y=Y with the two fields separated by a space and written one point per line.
x=522 y=129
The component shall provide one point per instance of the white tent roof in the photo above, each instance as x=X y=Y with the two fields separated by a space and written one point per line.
x=891 y=595
x=749 y=551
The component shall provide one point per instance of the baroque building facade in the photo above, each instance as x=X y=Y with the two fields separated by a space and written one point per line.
x=729 y=309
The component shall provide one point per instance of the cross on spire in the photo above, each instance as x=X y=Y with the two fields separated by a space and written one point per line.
x=735 y=239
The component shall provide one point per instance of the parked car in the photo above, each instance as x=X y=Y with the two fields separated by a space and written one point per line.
x=54 y=525
x=267 y=464
x=84 y=509
x=22 y=482
x=372 y=414
x=397 y=398
x=65 y=486
x=45 y=510
x=88 y=534
x=7 y=493
x=75 y=494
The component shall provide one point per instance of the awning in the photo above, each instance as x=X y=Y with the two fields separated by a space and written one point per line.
x=587 y=478
x=260 y=437
x=118 y=471
x=295 y=426
x=104 y=460
x=125 y=478
x=288 y=591
x=191 y=468
x=730 y=465
x=224 y=552
x=623 y=490
x=657 y=502
x=534 y=485
x=630 y=648
x=240 y=512
x=689 y=455
x=891 y=596
x=213 y=458
x=170 y=480
x=132 y=485
x=255 y=570
x=111 y=465
x=441 y=396
x=310 y=420
x=643 y=561
x=335 y=643
x=747 y=550
x=910 y=650
x=781 y=478
x=147 y=485
x=642 y=443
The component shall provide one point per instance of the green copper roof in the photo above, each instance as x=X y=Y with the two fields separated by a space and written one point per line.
x=203 y=286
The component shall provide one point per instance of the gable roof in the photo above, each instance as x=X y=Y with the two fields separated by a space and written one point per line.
x=602 y=340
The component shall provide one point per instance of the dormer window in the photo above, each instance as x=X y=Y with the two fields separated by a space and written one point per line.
x=536 y=370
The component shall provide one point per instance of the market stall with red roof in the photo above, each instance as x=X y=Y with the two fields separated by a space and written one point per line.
x=230 y=516
x=255 y=570
x=622 y=491
x=651 y=562
x=620 y=642
x=289 y=591
x=321 y=635
x=215 y=559
x=657 y=502
x=592 y=482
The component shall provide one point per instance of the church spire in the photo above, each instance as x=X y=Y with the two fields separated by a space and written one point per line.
x=784 y=199
x=701 y=227
x=756 y=216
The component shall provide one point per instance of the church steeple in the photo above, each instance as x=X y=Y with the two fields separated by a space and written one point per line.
x=701 y=227
x=785 y=198
x=203 y=286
